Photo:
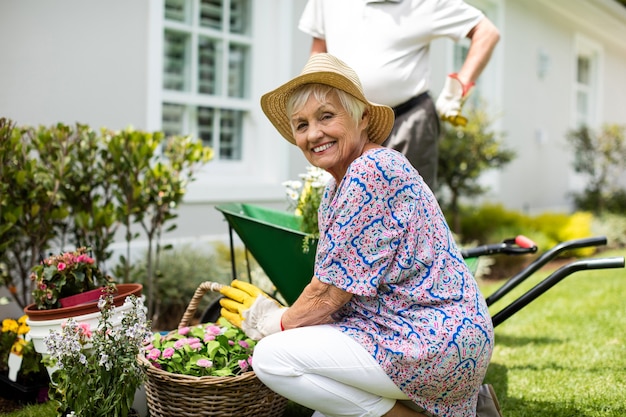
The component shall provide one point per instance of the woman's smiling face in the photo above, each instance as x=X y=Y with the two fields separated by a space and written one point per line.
x=327 y=134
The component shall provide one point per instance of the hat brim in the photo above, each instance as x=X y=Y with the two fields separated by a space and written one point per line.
x=274 y=105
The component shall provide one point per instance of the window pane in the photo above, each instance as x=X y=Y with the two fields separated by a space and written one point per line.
x=211 y=14
x=237 y=58
x=205 y=125
x=175 y=60
x=239 y=12
x=583 y=70
x=230 y=134
x=172 y=119
x=582 y=103
x=460 y=53
x=208 y=62
x=176 y=10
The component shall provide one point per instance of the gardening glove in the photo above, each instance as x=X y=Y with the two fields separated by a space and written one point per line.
x=451 y=100
x=250 y=309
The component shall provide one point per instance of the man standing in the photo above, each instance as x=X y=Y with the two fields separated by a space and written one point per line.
x=387 y=43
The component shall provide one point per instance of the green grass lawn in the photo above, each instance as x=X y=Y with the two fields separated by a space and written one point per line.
x=564 y=355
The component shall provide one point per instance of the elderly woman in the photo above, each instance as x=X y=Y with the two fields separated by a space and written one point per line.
x=392 y=322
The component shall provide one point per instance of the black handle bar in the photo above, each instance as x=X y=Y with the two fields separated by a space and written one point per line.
x=517 y=245
x=541 y=261
x=553 y=279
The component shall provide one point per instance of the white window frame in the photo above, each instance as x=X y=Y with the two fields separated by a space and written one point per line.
x=265 y=156
x=584 y=46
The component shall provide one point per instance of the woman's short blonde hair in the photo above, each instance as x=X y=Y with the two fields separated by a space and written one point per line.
x=300 y=95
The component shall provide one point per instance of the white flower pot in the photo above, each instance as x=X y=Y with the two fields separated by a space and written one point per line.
x=39 y=329
x=15 y=363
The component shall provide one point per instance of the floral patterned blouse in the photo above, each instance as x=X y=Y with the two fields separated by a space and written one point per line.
x=416 y=306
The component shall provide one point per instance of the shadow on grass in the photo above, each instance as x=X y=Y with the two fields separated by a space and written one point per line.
x=518 y=407
x=515 y=341
x=296 y=410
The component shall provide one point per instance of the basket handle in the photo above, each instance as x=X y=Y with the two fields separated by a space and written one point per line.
x=202 y=289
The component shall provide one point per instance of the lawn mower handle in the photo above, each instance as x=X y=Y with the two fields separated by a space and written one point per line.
x=553 y=279
x=541 y=261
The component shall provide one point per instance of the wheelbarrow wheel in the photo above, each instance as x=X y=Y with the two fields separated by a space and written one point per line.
x=212 y=312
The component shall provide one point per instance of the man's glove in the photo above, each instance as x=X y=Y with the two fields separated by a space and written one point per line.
x=451 y=100
x=249 y=308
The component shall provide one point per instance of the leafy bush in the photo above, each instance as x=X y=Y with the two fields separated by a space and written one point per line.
x=613 y=226
x=66 y=185
x=600 y=155
x=492 y=223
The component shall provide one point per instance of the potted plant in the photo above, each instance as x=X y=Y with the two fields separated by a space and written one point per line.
x=209 y=349
x=67 y=279
x=22 y=373
x=210 y=363
x=96 y=369
x=70 y=274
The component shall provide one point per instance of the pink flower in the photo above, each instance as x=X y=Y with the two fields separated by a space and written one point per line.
x=153 y=354
x=183 y=330
x=214 y=330
x=208 y=337
x=85 y=329
x=244 y=344
x=168 y=353
x=243 y=365
x=250 y=360
x=230 y=342
x=61 y=266
x=195 y=345
x=85 y=259
x=180 y=343
x=205 y=363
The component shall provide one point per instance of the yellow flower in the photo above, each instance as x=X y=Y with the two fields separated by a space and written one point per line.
x=18 y=346
x=24 y=328
x=9 y=325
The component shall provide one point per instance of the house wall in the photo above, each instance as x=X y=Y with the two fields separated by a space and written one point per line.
x=537 y=108
x=74 y=61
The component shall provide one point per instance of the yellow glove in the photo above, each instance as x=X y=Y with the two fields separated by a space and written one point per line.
x=451 y=100
x=250 y=309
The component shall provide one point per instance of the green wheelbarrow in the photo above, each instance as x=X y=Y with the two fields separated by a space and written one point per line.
x=274 y=239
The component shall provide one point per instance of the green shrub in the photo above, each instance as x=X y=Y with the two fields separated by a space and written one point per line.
x=613 y=226
x=482 y=224
x=492 y=223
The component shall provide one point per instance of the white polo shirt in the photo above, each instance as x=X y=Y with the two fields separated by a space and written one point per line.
x=387 y=42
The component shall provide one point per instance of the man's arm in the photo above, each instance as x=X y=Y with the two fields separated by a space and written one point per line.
x=318 y=46
x=484 y=37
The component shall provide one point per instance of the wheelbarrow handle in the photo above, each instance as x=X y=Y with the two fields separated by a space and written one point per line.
x=552 y=280
x=543 y=260
x=517 y=245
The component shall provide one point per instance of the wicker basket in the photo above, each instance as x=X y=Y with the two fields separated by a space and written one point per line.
x=170 y=394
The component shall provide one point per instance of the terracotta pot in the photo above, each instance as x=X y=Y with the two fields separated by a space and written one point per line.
x=82 y=298
x=123 y=291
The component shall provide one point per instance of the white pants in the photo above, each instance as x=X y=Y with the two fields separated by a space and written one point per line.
x=322 y=369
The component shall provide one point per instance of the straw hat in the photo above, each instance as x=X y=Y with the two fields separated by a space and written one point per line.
x=328 y=70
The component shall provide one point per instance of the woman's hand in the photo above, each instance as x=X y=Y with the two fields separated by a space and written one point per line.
x=249 y=308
